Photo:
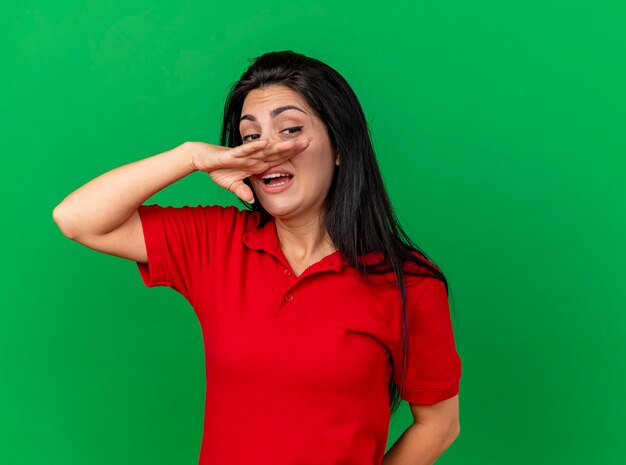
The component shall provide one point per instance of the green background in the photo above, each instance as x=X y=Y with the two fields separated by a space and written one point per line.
x=500 y=131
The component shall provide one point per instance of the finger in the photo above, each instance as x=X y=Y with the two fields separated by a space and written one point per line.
x=256 y=165
x=277 y=150
x=283 y=155
x=243 y=191
x=249 y=147
x=286 y=146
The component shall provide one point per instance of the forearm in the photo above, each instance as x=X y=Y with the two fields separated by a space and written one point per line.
x=106 y=202
x=418 y=445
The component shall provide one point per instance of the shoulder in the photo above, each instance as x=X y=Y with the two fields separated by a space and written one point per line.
x=419 y=275
x=425 y=290
x=417 y=270
x=203 y=211
x=420 y=271
x=229 y=211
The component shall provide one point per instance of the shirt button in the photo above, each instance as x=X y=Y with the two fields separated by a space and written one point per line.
x=287 y=272
x=289 y=297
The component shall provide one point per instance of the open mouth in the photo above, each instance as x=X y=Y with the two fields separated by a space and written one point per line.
x=277 y=179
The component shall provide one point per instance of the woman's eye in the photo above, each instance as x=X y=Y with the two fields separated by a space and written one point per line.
x=293 y=130
x=245 y=139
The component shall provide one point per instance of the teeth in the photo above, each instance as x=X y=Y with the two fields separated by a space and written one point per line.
x=275 y=175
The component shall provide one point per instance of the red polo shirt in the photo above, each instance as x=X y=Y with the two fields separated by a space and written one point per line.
x=297 y=367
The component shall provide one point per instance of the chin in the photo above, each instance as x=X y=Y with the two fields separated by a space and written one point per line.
x=275 y=204
x=279 y=209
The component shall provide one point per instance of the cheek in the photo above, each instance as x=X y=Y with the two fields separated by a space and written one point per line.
x=316 y=176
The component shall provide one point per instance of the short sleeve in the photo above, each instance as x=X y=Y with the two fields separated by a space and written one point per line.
x=177 y=245
x=433 y=364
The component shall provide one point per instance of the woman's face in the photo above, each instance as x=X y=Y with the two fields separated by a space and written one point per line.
x=301 y=195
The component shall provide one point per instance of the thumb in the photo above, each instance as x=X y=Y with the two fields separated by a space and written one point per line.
x=243 y=191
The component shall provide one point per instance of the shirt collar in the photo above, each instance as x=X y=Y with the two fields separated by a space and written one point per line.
x=265 y=238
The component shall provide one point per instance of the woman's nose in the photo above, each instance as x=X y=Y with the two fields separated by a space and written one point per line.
x=273 y=139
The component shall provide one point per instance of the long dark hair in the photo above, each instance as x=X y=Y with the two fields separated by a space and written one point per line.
x=357 y=212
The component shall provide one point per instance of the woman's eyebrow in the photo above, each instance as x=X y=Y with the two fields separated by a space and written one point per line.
x=275 y=112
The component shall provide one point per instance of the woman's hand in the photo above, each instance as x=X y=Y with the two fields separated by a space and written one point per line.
x=229 y=166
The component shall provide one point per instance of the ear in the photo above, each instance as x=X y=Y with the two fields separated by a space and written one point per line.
x=337 y=159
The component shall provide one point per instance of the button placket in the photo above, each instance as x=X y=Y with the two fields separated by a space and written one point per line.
x=288 y=294
x=287 y=297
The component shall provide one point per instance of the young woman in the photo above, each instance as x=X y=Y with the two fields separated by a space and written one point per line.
x=318 y=313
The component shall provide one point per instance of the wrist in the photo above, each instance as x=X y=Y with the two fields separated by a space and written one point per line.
x=189 y=151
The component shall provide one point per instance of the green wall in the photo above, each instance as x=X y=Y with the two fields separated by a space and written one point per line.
x=500 y=130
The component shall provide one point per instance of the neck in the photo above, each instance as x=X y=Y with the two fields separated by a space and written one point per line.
x=304 y=239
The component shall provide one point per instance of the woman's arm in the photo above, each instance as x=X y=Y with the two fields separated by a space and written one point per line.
x=108 y=201
x=434 y=429
x=102 y=214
